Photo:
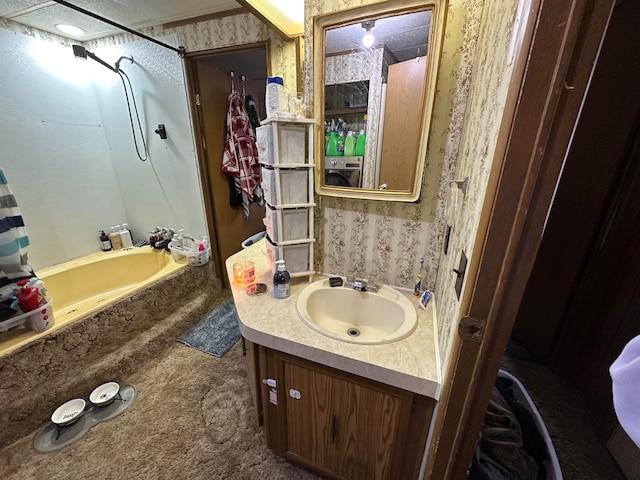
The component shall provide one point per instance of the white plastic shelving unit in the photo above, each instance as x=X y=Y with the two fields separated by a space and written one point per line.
x=285 y=151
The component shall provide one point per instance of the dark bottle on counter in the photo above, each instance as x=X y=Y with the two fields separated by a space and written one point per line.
x=105 y=242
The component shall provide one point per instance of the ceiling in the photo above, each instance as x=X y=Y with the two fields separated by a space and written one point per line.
x=406 y=36
x=134 y=14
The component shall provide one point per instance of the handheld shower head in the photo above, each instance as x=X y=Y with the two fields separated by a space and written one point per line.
x=81 y=52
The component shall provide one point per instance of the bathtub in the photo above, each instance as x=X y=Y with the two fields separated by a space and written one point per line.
x=87 y=284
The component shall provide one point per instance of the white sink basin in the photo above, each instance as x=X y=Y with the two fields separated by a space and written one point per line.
x=357 y=317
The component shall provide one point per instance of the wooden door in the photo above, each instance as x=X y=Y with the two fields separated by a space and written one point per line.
x=212 y=88
x=401 y=132
x=592 y=166
x=345 y=428
x=605 y=312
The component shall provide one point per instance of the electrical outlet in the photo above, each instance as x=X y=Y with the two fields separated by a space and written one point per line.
x=460 y=271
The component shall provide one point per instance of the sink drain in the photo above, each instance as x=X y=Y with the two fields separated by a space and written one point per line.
x=353 y=332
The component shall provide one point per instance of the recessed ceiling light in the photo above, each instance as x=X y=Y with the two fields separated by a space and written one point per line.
x=70 y=29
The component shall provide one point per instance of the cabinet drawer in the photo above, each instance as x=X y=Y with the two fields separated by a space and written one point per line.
x=294 y=186
x=296 y=256
x=295 y=224
x=291 y=143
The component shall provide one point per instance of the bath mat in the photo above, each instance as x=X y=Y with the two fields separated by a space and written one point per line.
x=216 y=333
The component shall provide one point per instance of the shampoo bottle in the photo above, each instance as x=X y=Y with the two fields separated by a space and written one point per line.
x=105 y=243
x=125 y=236
x=29 y=298
x=114 y=236
x=281 y=281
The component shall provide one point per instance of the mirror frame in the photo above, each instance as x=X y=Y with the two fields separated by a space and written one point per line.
x=356 y=15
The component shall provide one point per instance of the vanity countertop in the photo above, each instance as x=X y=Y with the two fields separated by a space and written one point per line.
x=411 y=363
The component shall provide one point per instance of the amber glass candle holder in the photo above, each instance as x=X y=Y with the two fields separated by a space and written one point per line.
x=244 y=273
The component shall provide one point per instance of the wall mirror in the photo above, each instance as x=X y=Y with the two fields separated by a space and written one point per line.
x=375 y=70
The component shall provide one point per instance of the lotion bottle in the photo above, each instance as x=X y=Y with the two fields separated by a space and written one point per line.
x=281 y=281
x=125 y=236
x=114 y=236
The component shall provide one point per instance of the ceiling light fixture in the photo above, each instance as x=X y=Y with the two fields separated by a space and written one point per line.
x=70 y=29
x=367 y=39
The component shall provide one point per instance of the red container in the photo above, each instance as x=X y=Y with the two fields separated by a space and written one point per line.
x=29 y=298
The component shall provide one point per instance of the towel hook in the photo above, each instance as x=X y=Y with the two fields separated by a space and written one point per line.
x=233 y=88
x=244 y=79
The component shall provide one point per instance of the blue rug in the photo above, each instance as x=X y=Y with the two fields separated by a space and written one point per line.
x=216 y=333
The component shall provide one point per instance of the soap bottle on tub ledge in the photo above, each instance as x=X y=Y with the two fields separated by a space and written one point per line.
x=281 y=281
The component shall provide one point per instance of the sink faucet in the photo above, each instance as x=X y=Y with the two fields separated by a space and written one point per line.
x=362 y=285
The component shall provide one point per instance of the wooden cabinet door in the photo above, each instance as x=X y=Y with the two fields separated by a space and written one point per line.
x=347 y=429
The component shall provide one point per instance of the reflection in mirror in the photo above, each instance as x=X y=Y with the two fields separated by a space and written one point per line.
x=374 y=102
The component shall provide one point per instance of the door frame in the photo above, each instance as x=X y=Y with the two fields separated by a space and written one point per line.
x=557 y=49
x=198 y=135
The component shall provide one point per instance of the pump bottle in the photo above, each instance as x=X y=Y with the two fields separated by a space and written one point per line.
x=105 y=243
x=281 y=281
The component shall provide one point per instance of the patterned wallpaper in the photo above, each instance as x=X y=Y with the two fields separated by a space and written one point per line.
x=355 y=67
x=485 y=107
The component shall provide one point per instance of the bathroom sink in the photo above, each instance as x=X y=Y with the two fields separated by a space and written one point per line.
x=352 y=316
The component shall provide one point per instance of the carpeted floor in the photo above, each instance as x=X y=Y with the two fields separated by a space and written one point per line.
x=193 y=419
x=580 y=454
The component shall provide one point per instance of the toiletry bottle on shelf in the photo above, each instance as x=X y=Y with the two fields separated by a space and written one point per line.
x=125 y=236
x=417 y=288
x=114 y=236
x=105 y=243
x=361 y=143
x=350 y=145
x=281 y=281
x=29 y=298
x=275 y=96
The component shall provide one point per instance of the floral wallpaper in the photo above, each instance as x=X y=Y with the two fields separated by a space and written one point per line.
x=484 y=110
x=355 y=67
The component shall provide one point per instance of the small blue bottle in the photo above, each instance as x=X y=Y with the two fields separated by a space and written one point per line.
x=281 y=281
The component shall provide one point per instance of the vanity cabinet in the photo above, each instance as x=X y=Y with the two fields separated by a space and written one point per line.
x=339 y=424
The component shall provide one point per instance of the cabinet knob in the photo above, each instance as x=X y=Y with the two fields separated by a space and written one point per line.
x=294 y=394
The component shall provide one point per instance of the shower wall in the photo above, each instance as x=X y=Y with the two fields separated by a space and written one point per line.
x=68 y=150
x=164 y=190
x=55 y=153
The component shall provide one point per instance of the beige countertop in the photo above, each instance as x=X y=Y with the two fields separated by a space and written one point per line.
x=411 y=363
